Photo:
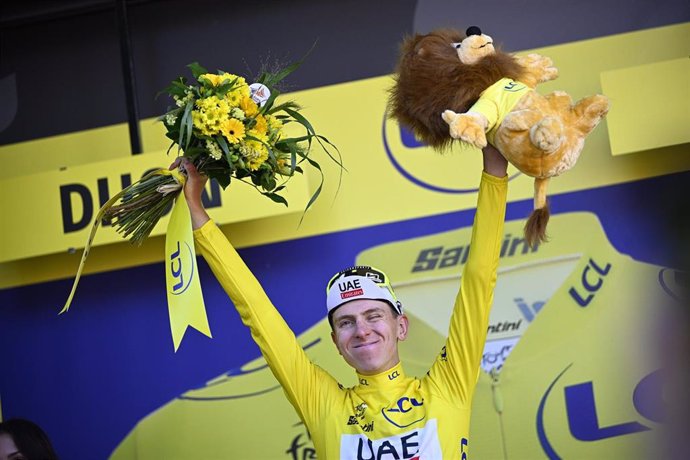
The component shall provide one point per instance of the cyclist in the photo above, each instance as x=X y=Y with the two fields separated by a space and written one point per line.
x=387 y=415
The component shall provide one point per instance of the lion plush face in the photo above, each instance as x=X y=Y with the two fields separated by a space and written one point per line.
x=474 y=47
x=432 y=76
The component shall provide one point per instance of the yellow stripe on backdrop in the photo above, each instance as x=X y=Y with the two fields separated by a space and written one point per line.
x=55 y=210
x=352 y=116
x=647 y=97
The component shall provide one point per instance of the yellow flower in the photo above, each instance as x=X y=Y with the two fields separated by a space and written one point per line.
x=249 y=106
x=283 y=164
x=233 y=98
x=213 y=104
x=261 y=125
x=217 y=80
x=214 y=150
x=275 y=127
x=239 y=81
x=260 y=136
x=233 y=130
x=210 y=114
x=255 y=154
x=211 y=78
x=274 y=123
x=244 y=90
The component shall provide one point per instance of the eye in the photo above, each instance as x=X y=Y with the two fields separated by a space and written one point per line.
x=344 y=323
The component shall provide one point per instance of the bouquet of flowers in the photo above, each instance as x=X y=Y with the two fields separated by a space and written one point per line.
x=230 y=130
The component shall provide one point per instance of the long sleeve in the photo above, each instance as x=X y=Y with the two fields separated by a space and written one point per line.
x=455 y=371
x=301 y=380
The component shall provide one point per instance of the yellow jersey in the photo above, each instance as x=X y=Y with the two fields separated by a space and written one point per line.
x=390 y=415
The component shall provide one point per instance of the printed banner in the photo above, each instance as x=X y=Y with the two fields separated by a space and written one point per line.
x=67 y=202
x=395 y=167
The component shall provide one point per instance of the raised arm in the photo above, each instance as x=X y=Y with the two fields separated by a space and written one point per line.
x=456 y=370
x=299 y=377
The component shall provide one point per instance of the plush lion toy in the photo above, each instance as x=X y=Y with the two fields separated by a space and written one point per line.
x=449 y=86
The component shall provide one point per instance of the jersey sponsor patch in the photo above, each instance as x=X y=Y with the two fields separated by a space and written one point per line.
x=421 y=443
x=405 y=412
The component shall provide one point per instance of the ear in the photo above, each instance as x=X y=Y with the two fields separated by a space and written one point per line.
x=335 y=342
x=419 y=49
x=403 y=326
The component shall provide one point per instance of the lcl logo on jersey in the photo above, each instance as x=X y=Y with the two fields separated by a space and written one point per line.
x=405 y=412
x=181 y=265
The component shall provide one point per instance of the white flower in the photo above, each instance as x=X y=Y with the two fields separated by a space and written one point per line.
x=249 y=153
x=182 y=101
x=237 y=113
x=170 y=119
x=214 y=150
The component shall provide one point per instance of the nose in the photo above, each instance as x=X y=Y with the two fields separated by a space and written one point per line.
x=362 y=328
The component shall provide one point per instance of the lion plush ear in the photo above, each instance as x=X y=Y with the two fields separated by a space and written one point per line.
x=420 y=50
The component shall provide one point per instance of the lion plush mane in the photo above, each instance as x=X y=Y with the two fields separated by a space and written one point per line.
x=430 y=79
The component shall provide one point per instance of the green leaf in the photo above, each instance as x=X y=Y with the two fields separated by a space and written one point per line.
x=196 y=69
x=275 y=197
x=171 y=146
x=283 y=106
x=226 y=150
x=222 y=178
x=269 y=103
x=293 y=156
x=183 y=125
x=176 y=88
x=226 y=86
x=188 y=122
x=318 y=189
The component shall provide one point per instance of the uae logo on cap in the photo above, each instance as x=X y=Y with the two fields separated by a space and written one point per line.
x=350 y=289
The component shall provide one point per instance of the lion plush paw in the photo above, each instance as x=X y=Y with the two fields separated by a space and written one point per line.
x=538 y=69
x=590 y=111
x=467 y=127
x=547 y=135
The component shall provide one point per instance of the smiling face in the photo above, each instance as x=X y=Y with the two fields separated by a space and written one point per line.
x=366 y=333
x=474 y=47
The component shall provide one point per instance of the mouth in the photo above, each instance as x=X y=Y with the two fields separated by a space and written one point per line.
x=486 y=44
x=365 y=345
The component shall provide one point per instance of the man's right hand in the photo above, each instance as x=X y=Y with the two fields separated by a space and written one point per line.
x=193 y=188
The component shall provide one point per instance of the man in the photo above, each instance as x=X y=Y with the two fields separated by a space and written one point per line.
x=388 y=415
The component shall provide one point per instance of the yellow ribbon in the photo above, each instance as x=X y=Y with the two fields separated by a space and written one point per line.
x=186 y=308
x=185 y=302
